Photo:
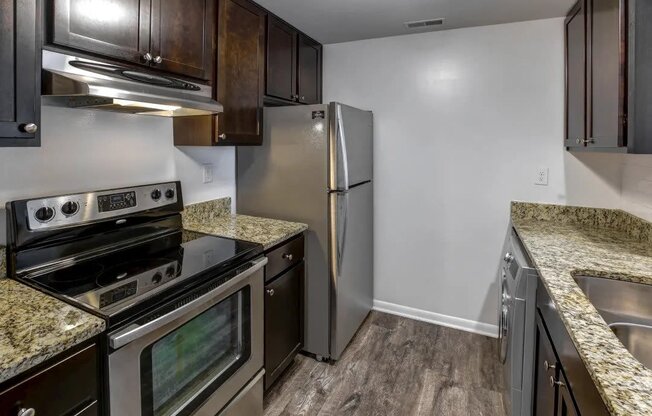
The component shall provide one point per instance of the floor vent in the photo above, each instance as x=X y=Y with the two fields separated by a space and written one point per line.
x=423 y=23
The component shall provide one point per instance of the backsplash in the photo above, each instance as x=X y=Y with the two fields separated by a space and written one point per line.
x=637 y=185
x=207 y=211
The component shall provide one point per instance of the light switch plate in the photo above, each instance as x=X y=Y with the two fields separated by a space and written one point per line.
x=542 y=177
x=208 y=173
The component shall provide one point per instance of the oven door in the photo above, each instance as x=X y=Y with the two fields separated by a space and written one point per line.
x=192 y=356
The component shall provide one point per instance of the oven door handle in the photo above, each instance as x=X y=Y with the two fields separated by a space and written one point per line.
x=135 y=331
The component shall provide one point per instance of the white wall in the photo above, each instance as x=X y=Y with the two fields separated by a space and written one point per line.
x=87 y=150
x=462 y=120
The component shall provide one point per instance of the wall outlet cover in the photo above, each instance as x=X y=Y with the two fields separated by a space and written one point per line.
x=542 y=177
x=207 y=173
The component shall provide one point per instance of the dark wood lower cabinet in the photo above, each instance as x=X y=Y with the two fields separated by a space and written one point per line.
x=68 y=387
x=563 y=386
x=283 y=317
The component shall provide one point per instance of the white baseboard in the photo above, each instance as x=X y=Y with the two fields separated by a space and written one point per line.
x=437 y=318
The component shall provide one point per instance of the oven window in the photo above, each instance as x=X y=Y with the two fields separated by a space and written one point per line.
x=183 y=368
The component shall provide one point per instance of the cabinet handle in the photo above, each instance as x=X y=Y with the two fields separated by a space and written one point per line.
x=30 y=128
x=147 y=57
x=586 y=141
x=270 y=292
x=221 y=137
x=553 y=382
x=158 y=60
x=303 y=98
x=295 y=97
x=548 y=366
x=288 y=257
x=27 y=412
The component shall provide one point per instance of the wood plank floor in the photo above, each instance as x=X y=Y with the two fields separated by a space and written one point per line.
x=396 y=366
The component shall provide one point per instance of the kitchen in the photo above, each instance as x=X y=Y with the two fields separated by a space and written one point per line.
x=328 y=187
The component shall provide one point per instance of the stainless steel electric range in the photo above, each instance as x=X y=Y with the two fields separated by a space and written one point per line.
x=184 y=310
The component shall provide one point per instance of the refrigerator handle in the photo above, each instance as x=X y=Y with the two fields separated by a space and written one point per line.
x=343 y=163
x=341 y=228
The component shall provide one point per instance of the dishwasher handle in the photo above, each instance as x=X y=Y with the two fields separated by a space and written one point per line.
x=135 y=331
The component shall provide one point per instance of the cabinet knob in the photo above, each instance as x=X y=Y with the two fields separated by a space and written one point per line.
x=578 y=141
x=158 y=60
x=221 y=136
x=554 y=382
x=30 y=128
x=295 y=97
x=288 y=256
x=148 y=57
x=270 y=292
x=26 y=412
x=548 y=366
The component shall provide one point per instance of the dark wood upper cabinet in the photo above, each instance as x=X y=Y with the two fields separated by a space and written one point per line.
x=575 y=28
x=241 y=72
x=240 y=81
x=607 y=93
x=281 y=60
x=20 y=72
x=182 y=35
x=176 y=36
x=117 y=29
x=608 y=89
x=309 y=71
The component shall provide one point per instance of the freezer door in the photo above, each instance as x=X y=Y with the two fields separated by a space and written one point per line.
x=351 y=247
x=350 y=146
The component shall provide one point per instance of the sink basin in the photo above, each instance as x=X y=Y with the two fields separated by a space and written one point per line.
x=627 y=308
x=637 y=339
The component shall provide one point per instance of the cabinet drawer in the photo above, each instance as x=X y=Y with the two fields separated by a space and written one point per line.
x=284 y=257
x=68 y=387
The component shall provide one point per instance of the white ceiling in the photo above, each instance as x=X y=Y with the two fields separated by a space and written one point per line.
x=334 y=21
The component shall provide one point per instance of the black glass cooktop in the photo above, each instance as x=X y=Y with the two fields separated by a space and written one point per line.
x=120 y=279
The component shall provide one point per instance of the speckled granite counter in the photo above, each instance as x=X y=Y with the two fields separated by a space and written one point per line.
x=566 y=241
x=214 y=217
x=35 y=327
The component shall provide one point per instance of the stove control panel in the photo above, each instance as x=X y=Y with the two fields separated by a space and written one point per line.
x=73 y=210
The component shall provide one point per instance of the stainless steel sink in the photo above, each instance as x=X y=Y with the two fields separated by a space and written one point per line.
x=637 y=339
x=627 y=308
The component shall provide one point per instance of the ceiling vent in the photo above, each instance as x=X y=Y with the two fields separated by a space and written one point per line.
x=417 y=24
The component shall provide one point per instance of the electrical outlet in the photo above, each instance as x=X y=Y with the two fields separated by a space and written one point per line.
x=542 y=177
x=208 y=173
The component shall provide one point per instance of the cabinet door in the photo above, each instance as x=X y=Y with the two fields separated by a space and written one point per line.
x=240 y=72
x=607 y=73
x=182 y=35
x=576 y=76
x=283 y=321
x=281 y=60
x=113 y=28
x=565 y=404
x=309 y=71
x=20 y=72
x=546 y=367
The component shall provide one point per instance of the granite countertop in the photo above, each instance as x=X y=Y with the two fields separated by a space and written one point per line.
x=35 y=327
x=567 y=241
x=214 y=217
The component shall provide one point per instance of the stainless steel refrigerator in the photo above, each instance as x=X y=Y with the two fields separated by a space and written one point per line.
x=316 y=166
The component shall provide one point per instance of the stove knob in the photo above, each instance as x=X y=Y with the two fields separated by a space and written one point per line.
x=156 y=194
x=169 y=194
x=44 y=214
x=69 y=208
x=157 y=278
x=170 y=271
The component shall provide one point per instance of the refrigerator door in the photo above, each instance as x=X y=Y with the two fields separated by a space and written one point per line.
x=351 y=268
x=350 y=147
x=286 y=178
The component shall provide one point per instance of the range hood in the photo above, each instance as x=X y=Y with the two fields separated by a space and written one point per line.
x=76 y=82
